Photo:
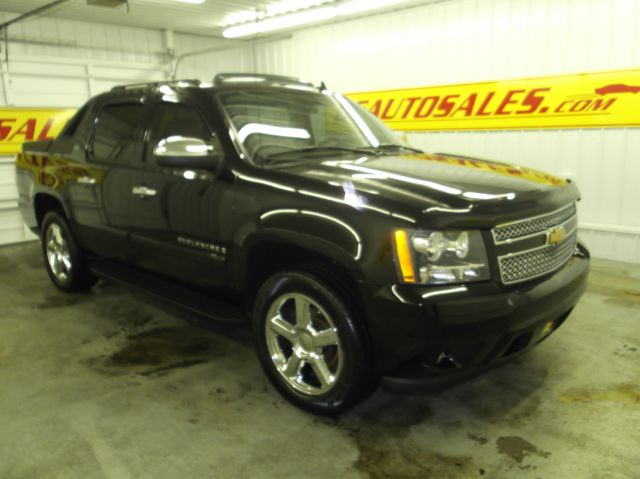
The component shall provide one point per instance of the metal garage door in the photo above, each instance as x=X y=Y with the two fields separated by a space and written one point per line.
x=12 y=229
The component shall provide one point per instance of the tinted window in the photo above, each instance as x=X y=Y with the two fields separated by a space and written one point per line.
x=73 y=138
x=274 y=121
x=173 y=119
x=72 y=125
x=117 y=132
x=82 y=129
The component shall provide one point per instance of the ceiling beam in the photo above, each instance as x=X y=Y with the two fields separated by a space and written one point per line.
x=31 y=13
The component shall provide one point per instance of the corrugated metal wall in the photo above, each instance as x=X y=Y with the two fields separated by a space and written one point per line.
x=462 y=41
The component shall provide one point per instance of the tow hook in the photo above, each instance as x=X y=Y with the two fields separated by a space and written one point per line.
x=447 y=361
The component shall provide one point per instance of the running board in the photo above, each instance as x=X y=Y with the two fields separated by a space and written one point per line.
x=170 y=291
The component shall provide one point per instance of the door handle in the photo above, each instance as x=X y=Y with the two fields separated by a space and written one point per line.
x=86 y=180
x=143 y=191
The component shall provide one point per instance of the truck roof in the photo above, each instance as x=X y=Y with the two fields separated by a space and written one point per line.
x=222 y=80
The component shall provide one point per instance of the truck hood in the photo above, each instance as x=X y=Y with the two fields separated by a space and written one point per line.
x=453 y=188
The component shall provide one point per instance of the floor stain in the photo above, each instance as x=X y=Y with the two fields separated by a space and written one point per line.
x=528 y=410
x=386 y=450
x=164 y=369
x=506 y=401
x=479 y=439
x=51 y=301
x=58 y=299
x=518 y=448
x=626 y=297
x=626 y=351
x=158 y=351
x=625 y=394
x=624 y=302
x=125 y=316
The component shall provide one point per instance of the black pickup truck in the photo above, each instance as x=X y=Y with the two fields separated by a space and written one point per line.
x=355 y=257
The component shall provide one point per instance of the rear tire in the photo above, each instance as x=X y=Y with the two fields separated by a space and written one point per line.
x=65 y=263
x=309 y=344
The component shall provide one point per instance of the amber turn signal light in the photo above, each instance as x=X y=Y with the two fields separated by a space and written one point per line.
x=403 y=254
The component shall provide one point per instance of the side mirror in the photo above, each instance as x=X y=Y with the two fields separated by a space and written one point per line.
x=186 y=153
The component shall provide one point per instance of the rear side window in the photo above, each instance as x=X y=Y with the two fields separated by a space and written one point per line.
x=117 y=132
x=72 y=125
x=72 y=140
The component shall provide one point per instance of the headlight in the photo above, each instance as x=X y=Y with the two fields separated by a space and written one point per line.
x=440 y=257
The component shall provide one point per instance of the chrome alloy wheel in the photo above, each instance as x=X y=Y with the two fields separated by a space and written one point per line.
x=303 y=344
x=58 y=253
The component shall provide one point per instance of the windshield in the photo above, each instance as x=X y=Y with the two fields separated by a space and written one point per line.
x=271 y=123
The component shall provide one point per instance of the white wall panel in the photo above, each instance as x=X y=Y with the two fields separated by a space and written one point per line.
x=12 y=229
x=44 y=36
x=458 y=41
x=205 y=66
x=8 y=191
x=462 y=41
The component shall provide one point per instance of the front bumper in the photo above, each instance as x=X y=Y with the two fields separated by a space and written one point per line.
x=427 y=337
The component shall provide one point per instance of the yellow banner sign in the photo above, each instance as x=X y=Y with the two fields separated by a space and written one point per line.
x=607 y=99
x=18 y=125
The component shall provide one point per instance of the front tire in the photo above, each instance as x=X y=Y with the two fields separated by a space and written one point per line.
x=65 y=263
x=309 y=344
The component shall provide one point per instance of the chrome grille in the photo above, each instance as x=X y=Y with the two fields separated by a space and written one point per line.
x=524 y=265
x=518 y=267
x=519 y=229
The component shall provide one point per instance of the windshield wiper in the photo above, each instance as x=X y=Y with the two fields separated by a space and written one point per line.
x=313 y=149
x=327 y=149
x=391 y=146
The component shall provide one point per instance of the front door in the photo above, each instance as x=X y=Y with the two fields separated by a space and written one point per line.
x=179 y=218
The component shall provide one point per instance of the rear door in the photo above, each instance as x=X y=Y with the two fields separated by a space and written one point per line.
x=180 y=218
x=114 y=154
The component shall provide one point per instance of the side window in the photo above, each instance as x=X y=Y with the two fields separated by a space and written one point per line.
x=73 y=137
x=117 y=132
x=83 y=128
x=175 y=119
x=72 y=125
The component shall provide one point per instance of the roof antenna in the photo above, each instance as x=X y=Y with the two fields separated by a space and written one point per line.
x=323 y=86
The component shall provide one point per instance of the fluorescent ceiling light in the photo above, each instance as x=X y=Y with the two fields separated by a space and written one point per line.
x=241 y=17
x=170 y=2
x=280 y=8
x=280 y=22
x=357 y=6
x=291 y=5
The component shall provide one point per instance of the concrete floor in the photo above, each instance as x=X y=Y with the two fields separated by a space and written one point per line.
x=109 y=385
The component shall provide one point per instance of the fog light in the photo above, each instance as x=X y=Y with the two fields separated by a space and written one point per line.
x=548 y=328
x=434 y=274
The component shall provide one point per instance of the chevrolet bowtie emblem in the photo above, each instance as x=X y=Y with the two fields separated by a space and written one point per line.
x=556 y=235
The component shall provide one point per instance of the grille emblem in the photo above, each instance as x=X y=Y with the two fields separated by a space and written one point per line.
x=556 y=235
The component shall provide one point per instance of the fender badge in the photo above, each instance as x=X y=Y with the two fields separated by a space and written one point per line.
x=556 y=235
